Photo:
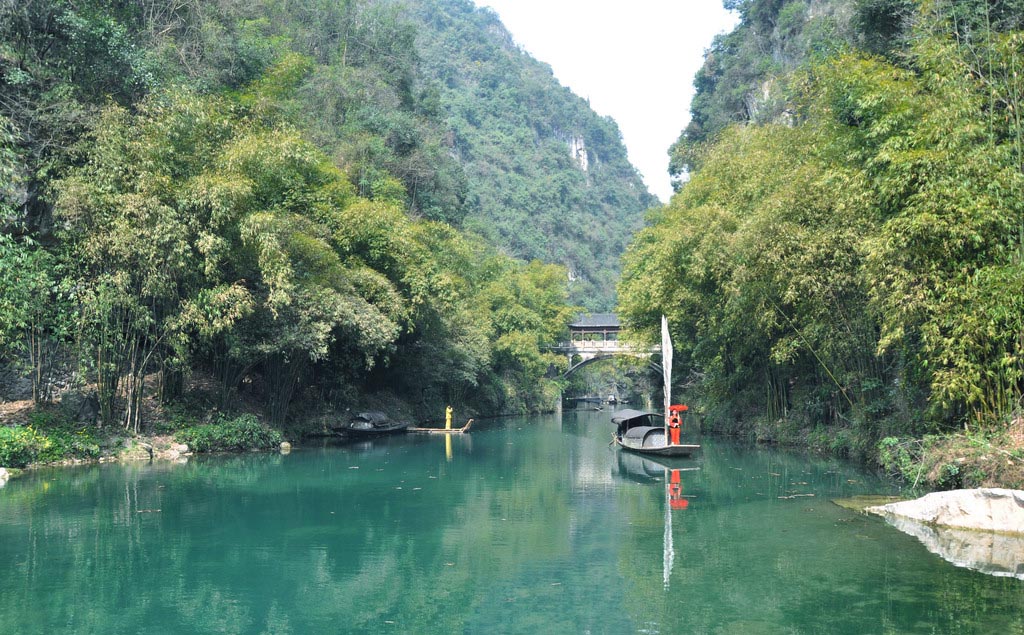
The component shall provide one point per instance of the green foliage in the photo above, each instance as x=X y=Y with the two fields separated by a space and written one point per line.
x=22 y=278
x=262 y=192
x=243 y=433
x=20 y=446
x=36 y=312
x=901 y=459
x=548 y=179
x=746 y=76
x=8 y=171
x=874 y=270
x=45 y=440
x=60 y=61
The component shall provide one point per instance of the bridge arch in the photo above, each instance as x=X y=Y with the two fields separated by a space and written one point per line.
x=604 y=356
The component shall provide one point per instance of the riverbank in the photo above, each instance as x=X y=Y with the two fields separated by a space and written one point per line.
x=969 y=459
x=47 y=440
x=59 y=434
x=960 y=460
x=48 y=435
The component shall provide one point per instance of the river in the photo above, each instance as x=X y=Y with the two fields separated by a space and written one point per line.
x=527 y=525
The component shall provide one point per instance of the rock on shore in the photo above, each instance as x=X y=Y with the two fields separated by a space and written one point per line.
x=987 y=509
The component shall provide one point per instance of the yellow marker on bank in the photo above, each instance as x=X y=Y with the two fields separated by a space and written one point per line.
x=448 y=418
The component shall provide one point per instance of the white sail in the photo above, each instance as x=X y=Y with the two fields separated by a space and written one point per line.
x=666 y=365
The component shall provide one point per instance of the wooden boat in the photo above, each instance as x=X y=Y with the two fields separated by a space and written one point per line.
x=463 y=430
x=653 y=433
x=645 y=433
x=372 y=423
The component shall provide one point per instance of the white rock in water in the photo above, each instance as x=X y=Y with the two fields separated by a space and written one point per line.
x=987 y=509
x=4 y=475
x=286 y=447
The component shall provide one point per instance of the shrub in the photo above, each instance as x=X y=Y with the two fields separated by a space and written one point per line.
x=901 y=458
x=230 y=435
x=20 y=446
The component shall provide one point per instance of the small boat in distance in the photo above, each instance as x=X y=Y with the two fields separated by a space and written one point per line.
x=644 y=433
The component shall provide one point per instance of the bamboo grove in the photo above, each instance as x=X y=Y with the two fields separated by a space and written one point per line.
x=252 y=199
x=854 y=269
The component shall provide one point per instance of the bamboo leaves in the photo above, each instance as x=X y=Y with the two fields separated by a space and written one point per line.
x=873 y=248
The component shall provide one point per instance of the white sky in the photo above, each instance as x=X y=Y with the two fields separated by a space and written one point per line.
x=634 y=59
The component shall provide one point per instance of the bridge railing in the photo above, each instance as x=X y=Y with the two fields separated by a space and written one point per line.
x=601 y=345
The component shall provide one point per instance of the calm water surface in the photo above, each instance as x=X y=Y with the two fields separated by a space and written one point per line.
x=527 y=526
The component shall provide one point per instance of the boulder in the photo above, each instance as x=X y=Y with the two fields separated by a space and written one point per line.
x=980 y=529
x=4 y=475
x=81 y=408
x=987 y=509
x=286 y=447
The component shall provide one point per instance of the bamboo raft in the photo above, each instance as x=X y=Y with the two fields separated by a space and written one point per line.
x=461 y=430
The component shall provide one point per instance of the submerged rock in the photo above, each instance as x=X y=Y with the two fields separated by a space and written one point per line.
x=861 y=503
x=987 y=509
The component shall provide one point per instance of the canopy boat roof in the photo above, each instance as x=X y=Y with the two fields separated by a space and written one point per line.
x=628 y=414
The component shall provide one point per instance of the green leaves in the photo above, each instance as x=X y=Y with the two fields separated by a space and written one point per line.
x=252 y=251
x=872 y=251
x=264 y=213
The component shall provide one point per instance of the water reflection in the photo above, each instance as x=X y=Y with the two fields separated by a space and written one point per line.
x=533 y=526
x=989 y=552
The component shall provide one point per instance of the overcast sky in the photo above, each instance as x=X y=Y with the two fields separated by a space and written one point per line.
x=634 y=60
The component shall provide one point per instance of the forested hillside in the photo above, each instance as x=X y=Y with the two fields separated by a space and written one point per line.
x=747 y=73
x=848 y=271
x=547 y=178
x=260 y=200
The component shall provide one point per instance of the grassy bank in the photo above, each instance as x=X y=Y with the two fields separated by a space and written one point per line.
x=54 y=434
x=48 y=437
x=977 y=458
x=952 y=461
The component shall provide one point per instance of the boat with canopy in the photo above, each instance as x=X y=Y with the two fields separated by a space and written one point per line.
x=653 y=433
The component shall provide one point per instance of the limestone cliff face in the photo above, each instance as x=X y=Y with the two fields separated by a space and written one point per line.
x=546 y=177
x=578 y=151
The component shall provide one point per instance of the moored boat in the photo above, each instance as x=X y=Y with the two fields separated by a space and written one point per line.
x=644 y=433
x=653 y=433
x=372 y=423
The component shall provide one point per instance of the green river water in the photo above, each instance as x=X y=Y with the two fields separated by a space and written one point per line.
x=524 y=526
